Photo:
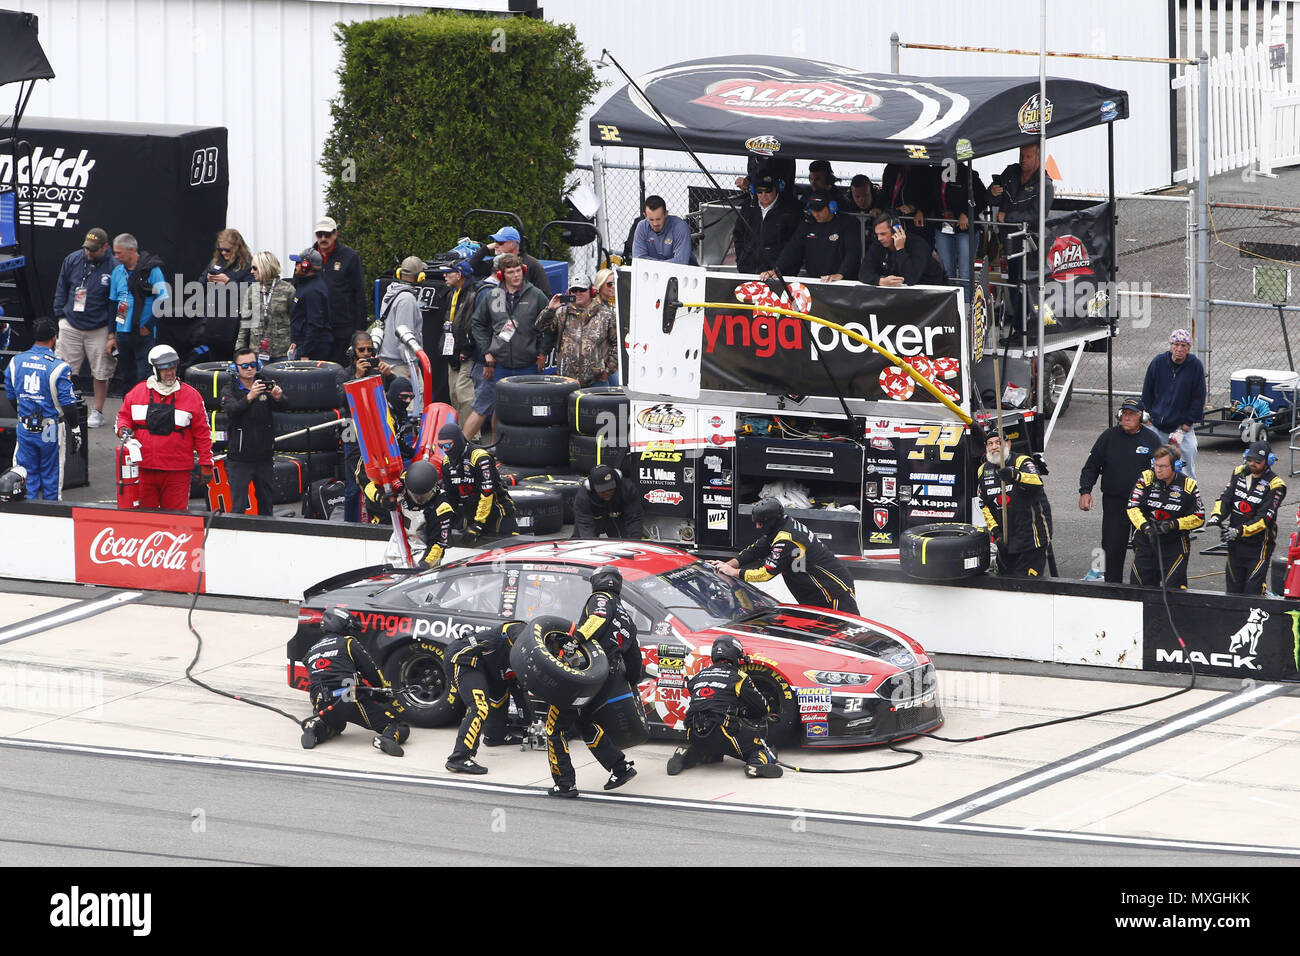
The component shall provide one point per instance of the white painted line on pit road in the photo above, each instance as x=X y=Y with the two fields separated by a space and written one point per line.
x=1095 y=758
x=67 y=615
x=736 y=809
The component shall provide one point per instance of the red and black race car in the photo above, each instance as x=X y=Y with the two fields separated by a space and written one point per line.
x=832 y=679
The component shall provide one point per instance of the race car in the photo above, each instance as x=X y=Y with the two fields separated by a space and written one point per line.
x=831 y=679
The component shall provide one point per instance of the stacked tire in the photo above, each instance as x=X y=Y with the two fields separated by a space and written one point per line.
x=532 y=411
x=598 y=427
x=313 y=395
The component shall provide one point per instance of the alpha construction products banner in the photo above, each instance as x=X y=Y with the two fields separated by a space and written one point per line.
x=1079 y=276
x=781 y=355
x=152 y=550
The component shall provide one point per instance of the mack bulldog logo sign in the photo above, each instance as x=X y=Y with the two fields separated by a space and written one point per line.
x=153 y=551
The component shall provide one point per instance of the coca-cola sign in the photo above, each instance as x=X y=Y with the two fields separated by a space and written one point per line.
x=137 y=549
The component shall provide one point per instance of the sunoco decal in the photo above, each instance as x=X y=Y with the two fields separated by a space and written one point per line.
x=817 y=102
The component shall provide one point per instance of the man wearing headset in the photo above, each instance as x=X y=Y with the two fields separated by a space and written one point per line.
x=1246 y=516
x=311 y=326
x=608 y=504
x=764 y=226
x=250 y=454
x=897 y=258
x=828 y=247
x=400 y=309
x=1164 y=507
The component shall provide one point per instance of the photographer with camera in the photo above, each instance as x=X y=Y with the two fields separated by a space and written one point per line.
x=247 y=401
x=586 y=333
x=361 y=362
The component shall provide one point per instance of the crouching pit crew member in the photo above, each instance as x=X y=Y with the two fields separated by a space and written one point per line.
x=1246 y=515
x=1022 y=543
x=608 y=504
x=423 y=509
x=786 y=547
x=604 y=619
x=480 y=670
x=474 y=488
x=1165 y=507
x=337 y=665
x=723 y=717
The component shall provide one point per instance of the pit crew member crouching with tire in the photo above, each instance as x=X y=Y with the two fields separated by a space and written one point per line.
x=605 y=620
x=336 y=667
x=1165 y=507
x=715 y=727
x=480 y=670
x=786 y=547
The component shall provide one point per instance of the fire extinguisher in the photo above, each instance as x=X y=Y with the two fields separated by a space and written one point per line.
x=128 y=471
x=1291 y=588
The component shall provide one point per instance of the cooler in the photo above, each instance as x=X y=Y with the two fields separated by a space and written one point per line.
x=1279 y=386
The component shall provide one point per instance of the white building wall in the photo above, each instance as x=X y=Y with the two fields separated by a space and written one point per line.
x=266 y=70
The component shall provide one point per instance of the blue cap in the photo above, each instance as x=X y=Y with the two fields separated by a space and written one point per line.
x=462 y=266
x=505 y=234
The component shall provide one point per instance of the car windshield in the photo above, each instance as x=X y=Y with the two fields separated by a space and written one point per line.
x=701 y=597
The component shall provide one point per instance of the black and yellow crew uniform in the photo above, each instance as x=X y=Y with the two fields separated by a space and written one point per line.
x=428 y=524
x=343 y=683
x=605 y=620
x=1022 y=544
x=812 y=573
x=1247 y=512
x=724 y=718
x=1163 y=515
x=479 y=667
x=475 y=491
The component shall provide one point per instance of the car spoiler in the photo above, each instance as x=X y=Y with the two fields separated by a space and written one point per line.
x=351 y=577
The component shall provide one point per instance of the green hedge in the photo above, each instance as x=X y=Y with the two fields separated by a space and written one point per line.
x=444 y=112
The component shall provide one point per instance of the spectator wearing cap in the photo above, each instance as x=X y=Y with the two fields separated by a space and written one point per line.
x=829 y=247
x=1246 y=515
x=1119 y=456
x=821 y=182
x=39 y=384
x=459 y=278
x=508 y=241
x=911 y=192
x=346 y=284
x=764 y=226
x=505 y=331
x=608 y=504
x=268 y=301
x=585 y=333
x=606 y=286
x=1173 y=393
x=84 y=311
x=310 y=327
x=400 y=309
x=896 y=258
x=662 y=237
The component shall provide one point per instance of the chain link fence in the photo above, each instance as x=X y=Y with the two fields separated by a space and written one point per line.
x=1254 y=253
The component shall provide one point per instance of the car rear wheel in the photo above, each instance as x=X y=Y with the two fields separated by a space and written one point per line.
x=548 y=672
x=781 y=702
x=425 y=689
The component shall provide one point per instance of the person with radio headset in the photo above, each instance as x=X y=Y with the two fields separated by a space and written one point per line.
x=764 y=226
x=899 y=258
x=505 y=331
x=608 y=504
x=400 y=309
x=360 y=362
x=1164 y=507
x=168 y=419
x=1246 y=516
x=828 y=247
x=473 y=486
x=250 y=455
x=311 y=326
x=459 y=278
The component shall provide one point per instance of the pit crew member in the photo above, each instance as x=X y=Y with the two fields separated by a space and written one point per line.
x=1246 y=515
x=1022 y=543
x=480 y=670
x=1164 y=507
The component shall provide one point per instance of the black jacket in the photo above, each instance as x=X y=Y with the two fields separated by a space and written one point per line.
x=1027 y=513
x=760 y=239
x=606 y=620
x=346 y=284
x=720 y=690
x=1119 y=458
x=335 y=662
x=1250 y=503
x=251 y=434
x=824 y=248
x=912 y=185
x=461 y=323
x=812 y=573
x=620 y=517
x=915 y=262
x=311 y=320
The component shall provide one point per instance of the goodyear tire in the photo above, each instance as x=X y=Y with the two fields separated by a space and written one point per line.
x=944 y=552
x=288 y=480
x=323 y=439
x=781 y=701
x=534 y=399
x=1057 y=370
x=219 y=429
x=208 y=379
x=307 y=385
x=531 y=445
x=538 y=509
x=419 y=669
x=586 y=452
x=622 y=717
x=599 y=408
x=535 y=658
x=515 y=474
x=567 y=485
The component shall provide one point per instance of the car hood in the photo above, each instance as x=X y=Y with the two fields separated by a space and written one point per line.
x=829 y=630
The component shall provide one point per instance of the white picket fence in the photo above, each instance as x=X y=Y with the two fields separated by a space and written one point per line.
x=1254 y=114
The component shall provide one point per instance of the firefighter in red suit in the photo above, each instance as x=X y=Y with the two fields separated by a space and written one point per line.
x=167 y=418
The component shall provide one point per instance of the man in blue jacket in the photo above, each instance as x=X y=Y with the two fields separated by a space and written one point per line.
x=85 y=313
x=311 y=328
x=137 y=284
x=1173 y=393
x=40 y=386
